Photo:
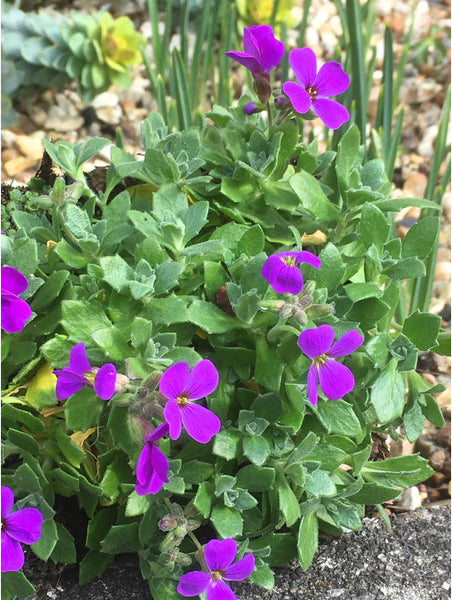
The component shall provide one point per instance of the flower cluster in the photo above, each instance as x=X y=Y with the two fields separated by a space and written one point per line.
x=263 y=52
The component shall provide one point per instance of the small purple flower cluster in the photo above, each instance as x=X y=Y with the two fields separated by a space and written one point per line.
x=263 y=52
x=282 y=272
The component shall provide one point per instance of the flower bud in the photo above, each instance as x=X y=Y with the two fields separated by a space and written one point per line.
x=190 y=510
x=192 y=524
x=280 y=103
x=317 y=311
x=262 y=88
x=275 y=305
x=287 y=310
x=152 y=382
x=300 y=316
x=183 y=559
x=251 y=108
x=168 y=523
x=121 y=382
x=304 y=301
x=308 y=288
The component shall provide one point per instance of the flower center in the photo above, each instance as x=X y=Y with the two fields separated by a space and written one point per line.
x=312 y=91
x=90 y=377
x=290 y=261
x=183 y=399
x=320 y=360
x=216 y=575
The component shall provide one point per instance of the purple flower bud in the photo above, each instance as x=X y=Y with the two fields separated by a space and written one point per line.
x=250 y=108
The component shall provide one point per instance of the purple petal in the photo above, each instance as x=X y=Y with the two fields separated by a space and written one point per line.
x=202 y=381
x=272 y=267
x=174 y=380
x=12 y=554
x=219 y=554
x=241 y=569
x=7 y=499
x=105 y=380
x=14 y=313
x=336 y=379
x=259 y=41
x=158 y=432
x=200 y=423
x=24 y=525
x=250 y=108
x=308 y=257
x=347 y=344
x=331 y=112
x=13 y=281
x=313 y=385
x=331 y=79
x=249 y=62
x=288 y=281
x=154 y=474
x=298 y=96
x=172 y=414
x=219 y=590
x=78 y=361
x=68 y=383
x=317 y=341
x=144 y=465
x=304 y=65
x=193 y=584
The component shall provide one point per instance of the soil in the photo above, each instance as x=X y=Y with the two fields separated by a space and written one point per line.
x=409 y=562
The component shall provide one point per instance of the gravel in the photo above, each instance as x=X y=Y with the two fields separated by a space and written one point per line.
x=409 y=562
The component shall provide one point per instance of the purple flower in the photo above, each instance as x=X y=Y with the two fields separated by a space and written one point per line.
x=218 y=555
x=262 y=51
x=336 y=379
x=23 y=525
x=152 y=465
x=80 y=374
x=15 y=311
x=282 y=273
x=316 y=87
x=181 y=388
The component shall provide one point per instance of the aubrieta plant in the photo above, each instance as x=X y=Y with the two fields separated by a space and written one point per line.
x=201 y=352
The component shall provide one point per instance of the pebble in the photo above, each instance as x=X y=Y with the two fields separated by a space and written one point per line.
x=415 y=185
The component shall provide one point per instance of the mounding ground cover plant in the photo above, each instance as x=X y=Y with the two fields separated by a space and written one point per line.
x=201 y=352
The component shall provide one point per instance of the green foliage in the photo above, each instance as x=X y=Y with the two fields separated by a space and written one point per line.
x=170 y=270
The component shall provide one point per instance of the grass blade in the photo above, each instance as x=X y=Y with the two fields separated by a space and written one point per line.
x=393 y=147
x=303 y=24
x=180 y=91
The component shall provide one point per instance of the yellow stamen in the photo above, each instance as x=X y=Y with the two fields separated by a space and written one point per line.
x=216 y=575
x=183 y=399
x=312 y=91
x=290 y=261
x=320 y=360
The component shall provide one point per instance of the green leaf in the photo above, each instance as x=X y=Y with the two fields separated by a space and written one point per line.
x=227 y=444
x=413 y=421
x=422 y=329
x=84 y=152
x=263 y=576
x=71 y=256
x=64 y=550
x=116 y=272
x=374 y=226
x=82 y=318
x=23 y=440
x=49 y=291
x=362 y=291
x=227 y=521
x=121 y=539
x=203 y=498
x=24 y=256
x=331 y=271
x=252 y=241
x=99 y=526
x=49 y=536
x=255 y=479
x=312 y=197
x=16 y=585
x=421 y=238
x=195 y=471
x=401 y=470
x=211 y=318
x=257 y=449
x=25 y=479
x=405 y=269
x=73 y=453
x=367 y=312
x=308 y=540
x=288 y=502
x=83 y=410
x=269 y=368
x=432 y=411
x=318 y=483
x=93 y=565
x=137 y=505
x=120 y=428
x=282 y=547
x=387 y=394
x=112 y=342
x=339 y=417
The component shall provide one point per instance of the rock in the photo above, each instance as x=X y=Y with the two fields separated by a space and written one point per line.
x=410 y=499
x=443 y=436
x=415 y=185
